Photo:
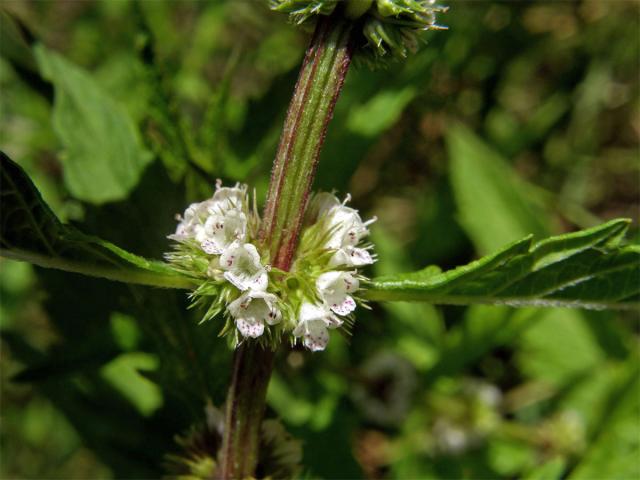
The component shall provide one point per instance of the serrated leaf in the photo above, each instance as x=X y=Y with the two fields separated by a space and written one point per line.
x=586 y=269
x=29 y=231
x=103 y=158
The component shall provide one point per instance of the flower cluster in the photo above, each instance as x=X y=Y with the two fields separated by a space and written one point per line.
x=217 y=243
x=388 y=28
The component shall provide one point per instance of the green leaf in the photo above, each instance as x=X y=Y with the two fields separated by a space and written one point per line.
x=29 y=231
x=494 y=204
x=380 y=112
x=616 y=449
x=103 y=158
x=123 y=373
x=588 y=269
x=549 y=470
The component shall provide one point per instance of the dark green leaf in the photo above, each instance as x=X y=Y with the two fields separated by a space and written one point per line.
x=103 y=158
x=586 y=269
x=30 y=231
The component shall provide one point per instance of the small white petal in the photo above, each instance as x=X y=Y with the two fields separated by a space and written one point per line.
x=327 y=279
x=345 y=306
x=313 y=323
x=249 y=329
x=227 y=198
x=221 y=231
x=243 y=267
x=360 y=257
x=351 y=257
x=251 y=310
x=322 y=203
x=194 y=215
x=199 y=233
x=314 y=333
x=346 y=227
x=316 y=337
x=311 y=311
x=334 y=288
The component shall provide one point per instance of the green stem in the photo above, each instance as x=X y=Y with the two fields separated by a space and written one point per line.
x=319 y=84
x=252 y=367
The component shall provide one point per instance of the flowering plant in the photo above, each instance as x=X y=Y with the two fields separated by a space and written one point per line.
x=280 y=281
x=217 y=243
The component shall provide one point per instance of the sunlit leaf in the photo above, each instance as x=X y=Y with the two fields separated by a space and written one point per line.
x=588 y=269
x=103 y=157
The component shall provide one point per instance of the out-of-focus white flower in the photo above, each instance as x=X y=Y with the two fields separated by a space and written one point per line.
x=314 y=320
x=242 y=266
x=335 y=288
x=252 y=310
x=220 y=231
x=195 y=214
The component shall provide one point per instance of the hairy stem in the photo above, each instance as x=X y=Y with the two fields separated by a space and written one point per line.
x=252 y=366
x=319 y=84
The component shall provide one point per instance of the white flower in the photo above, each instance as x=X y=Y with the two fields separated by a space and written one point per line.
x=220 y=231
x=346 y=231
x=351 y=257
x=225 y=201
x=321 y=204
x=252 y=310
x=347 y=228
x=313 y=323
x=194 y=215
x=335 y=288
x=227 y=198
x=243 y=267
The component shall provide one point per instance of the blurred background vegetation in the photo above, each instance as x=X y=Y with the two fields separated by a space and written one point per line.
x=522 y=117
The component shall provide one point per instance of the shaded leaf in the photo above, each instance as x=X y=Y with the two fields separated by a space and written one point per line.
x=586 y=269
x=29 y=231
x=103 y=158
x=494 y=204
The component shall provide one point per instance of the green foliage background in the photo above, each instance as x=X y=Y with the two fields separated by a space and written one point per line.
x=522 y=118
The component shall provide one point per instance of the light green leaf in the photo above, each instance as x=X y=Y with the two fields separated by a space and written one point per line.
x=29 y=231
x=103 y=158
x=123 y=372
x=586 y=269
x=549 y=470
x=616 y=449
x=380 y=112
x=494 y=204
